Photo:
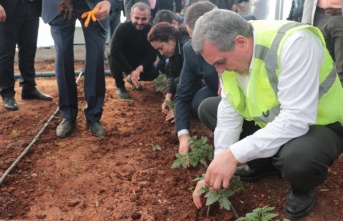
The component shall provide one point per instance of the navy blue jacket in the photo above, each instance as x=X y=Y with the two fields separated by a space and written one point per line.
x=195 y=70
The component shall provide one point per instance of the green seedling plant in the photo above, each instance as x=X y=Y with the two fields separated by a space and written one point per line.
x=170 y=104
x=261 y=214
x=14 y=133
x=222 y=197
x=200 y=152
x=156 y=147
x=161 y=83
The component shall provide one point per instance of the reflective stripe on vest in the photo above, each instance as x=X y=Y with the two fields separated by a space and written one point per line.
x=269 y=56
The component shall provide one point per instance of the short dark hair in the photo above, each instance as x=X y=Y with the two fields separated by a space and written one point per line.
x=195 y=11
x=165 y=15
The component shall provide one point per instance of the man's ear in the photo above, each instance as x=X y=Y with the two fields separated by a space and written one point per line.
x=240 y=41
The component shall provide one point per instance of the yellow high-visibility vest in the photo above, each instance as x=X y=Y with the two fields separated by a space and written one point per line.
x=261 y=103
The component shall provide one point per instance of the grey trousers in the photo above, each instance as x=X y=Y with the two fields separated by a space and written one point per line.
x=303 y=161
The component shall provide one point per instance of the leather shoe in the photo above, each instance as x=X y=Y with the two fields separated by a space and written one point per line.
x=10 y=103
x=37 y=95
x=65 y=128
x=299 y=204
x=251 y=175
x=122 y=93
x=96 y=128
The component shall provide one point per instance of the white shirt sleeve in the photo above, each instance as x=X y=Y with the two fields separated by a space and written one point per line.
x=229 y=125
x=301 y=58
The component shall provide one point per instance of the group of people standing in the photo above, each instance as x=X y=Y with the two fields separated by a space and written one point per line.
x=268 y=89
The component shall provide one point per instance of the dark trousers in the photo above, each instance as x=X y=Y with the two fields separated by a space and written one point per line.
x=303 y=161
x=148 y=74
x=332 y=28
x=20 y=28
x=199 y=96
x=62 y=32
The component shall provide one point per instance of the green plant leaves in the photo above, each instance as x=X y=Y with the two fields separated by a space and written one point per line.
x=161 y=83
x=260 y=214
x=200 y=152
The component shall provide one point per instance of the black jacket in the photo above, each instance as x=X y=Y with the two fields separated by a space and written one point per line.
x=130 y=47
x=174 y=66
x=10 y=6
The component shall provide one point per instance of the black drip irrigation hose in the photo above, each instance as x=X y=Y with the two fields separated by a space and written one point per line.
x=34 y=140
x=52 y=74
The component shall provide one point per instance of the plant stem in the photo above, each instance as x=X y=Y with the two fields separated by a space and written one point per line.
x=208 y=210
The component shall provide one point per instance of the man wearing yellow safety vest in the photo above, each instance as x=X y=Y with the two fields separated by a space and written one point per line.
x=279 y=75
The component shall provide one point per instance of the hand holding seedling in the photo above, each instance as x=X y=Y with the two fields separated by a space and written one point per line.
x=170 y=116
x=183 y=143
x=196 y=195
x=221 y=197
x=100 y=12
x=221 y=170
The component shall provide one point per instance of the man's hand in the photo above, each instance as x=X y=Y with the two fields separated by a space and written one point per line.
x=221 y=170
x=183 y=143
x=196 y=196
x=2 y=14
x=104 y=10
x=165 y=107
x=135 y=75
x=170 y=116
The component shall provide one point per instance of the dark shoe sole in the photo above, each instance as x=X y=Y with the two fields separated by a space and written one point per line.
x=35 y=98
x=300 y=215
x=95 y=134
x=66 y=134
x=124 y=97
x=11 y=108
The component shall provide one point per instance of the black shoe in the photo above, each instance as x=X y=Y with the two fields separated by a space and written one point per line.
x=251 y=175
x=122 y=93
x=299 y=204
x=37 y=95
x=10 y=103
x=96 y=128
x=65 y=128
x=140 y=88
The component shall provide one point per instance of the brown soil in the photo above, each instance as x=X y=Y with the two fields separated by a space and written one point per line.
x=119 y=176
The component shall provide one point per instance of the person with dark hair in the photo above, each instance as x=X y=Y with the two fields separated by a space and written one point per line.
x=61 y=16
x=169 y=41
x=131 y=53
x=128 y=7
x=280 y=76
x=19 y=18
x=165 y=15
x=198 y=79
